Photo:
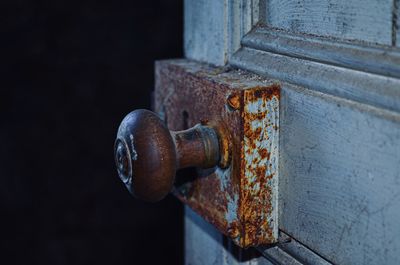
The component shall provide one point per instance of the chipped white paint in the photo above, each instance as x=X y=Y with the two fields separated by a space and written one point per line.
x=231 y=213
x=133 y=152
x=232 y=202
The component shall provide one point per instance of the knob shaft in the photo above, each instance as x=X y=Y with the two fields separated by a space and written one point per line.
x=147 y=154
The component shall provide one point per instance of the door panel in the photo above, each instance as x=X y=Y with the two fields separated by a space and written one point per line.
x=339 y=161
x=339 y=184
x=368 y=20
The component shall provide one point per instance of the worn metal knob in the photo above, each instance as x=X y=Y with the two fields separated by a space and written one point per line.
x=147 y=154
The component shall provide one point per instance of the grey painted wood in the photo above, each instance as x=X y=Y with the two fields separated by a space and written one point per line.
x=290 y=251
x=340 y=158
x=278 y=256
x=362 y=87
x=340 y=177
x=205 y=30
x=368 y=20
x=340 y=130
x=204 y=245
x=396 y=21
x=213 y=28
x=368 y=58
x=243 y=16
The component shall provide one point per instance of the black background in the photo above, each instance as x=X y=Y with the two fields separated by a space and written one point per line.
x=70 y=72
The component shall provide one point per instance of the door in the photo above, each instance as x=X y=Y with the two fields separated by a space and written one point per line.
x=338 y=63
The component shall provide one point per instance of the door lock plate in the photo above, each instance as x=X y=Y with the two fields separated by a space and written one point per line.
x=240 y=196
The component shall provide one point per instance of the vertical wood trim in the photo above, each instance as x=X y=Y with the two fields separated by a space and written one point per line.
x=243 y=15
x=213 y=29
x=205 y=30
x=395 y=22
x=262 y=11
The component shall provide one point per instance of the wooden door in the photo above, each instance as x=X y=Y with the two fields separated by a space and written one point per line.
x=339 y=66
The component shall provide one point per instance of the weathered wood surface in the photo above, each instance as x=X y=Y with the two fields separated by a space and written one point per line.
x=369 y=20
x=376 y=90
x=205 y=31
x=340 y=177
x=340 y=159
x=396 y=21
x=205 y=245
x=340 y=163
x=213 y=28
x=383 y=60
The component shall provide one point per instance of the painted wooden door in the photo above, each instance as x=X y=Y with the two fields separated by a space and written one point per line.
x=339 y=66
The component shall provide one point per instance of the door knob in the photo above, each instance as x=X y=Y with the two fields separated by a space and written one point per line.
x=147 y=154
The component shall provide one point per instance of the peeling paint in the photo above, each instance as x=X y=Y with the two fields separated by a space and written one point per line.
x=133 y=151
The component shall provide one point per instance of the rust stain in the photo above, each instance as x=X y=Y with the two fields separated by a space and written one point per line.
x=264 y=153
x=266 y=93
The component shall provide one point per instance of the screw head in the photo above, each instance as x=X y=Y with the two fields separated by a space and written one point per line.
x=234 y=101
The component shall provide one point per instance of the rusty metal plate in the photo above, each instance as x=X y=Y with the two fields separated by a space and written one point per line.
x=241 y=200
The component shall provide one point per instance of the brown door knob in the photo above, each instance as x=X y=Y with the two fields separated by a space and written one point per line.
x=147 y=154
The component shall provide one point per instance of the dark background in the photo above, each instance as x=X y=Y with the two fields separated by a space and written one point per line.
x=70 y=71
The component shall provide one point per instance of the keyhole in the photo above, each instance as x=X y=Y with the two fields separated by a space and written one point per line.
x=185 y=115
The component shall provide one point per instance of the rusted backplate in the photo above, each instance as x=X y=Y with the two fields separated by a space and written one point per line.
x=241 y=200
